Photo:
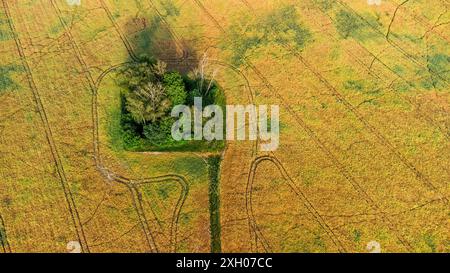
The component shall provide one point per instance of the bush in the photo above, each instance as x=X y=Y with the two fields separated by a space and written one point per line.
x=159 y=133
x=130 y=132
x=192 y=95
x=175 y=88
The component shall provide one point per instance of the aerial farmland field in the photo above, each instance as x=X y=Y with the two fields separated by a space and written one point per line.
x=89 y=161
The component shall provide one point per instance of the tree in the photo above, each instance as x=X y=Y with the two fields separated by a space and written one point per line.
x=135 y=75
x=159 y=69
x=176 y=90
x=147 y=103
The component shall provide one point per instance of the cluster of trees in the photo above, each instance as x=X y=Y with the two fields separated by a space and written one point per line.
x=150 y=92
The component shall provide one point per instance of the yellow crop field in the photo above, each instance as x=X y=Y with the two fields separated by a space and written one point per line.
x=363 y=161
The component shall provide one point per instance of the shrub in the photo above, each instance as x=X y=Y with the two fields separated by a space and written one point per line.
x=175 y=88
x=159 y=133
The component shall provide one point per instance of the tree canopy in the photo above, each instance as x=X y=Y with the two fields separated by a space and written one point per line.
x=148 y=103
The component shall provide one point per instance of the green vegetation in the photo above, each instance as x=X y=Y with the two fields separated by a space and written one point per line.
x=430 y=242
x=147 y=103
x=350 y=25
x=280 y=27
x=325 y=4
x=214 y=202
x=170 y=8
x=149 y=93
x=190 y=165
x=355 y=85
x=437 y=66
x=357 y=235
x=175 y=88
x=5 y=77
x=5 y=32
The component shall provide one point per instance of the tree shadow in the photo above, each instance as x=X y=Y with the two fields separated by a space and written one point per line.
x=153 y=37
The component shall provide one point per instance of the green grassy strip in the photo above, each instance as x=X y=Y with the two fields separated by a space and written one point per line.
x=214 y=203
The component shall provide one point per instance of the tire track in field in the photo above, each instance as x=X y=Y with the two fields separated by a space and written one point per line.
x=3 y=237
x=318 y=142
x=180 y=202
x=291 y=183
x=393 y=17
x=48 y=133
x=419 y=18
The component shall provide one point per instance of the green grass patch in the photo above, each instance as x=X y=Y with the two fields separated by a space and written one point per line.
x=438 y=71
x=192 y=166
x=5 y=31
x=357 y=236
x=350 y=25
x=325 y=4
x=6 y=82
x=279 y=27
x=430 y=242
